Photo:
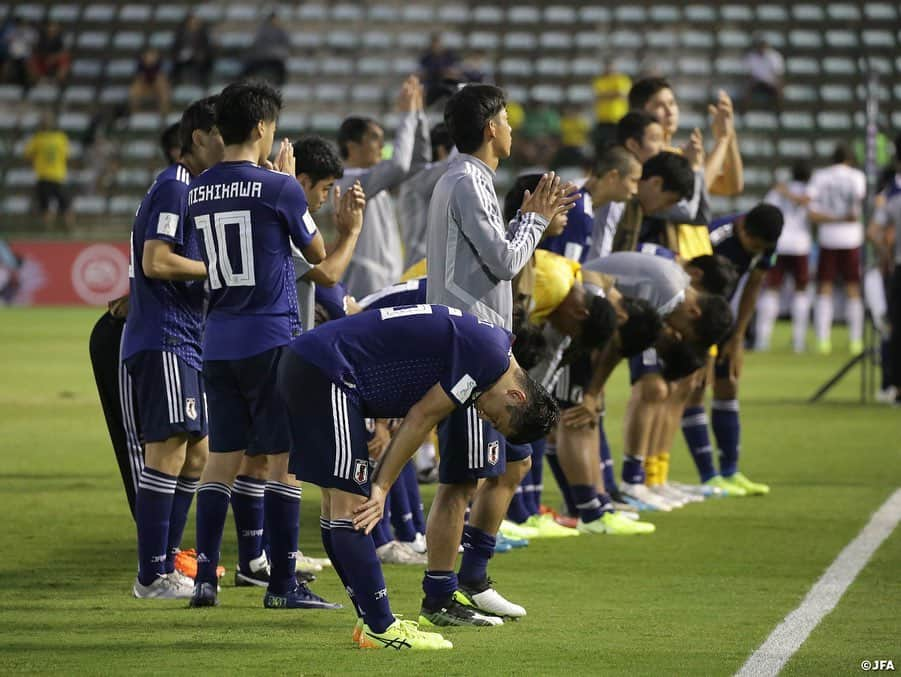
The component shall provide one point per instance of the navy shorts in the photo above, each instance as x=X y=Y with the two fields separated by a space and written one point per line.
x=470 y=449
x=571 y=382
x=329 y=433
x=645 y=363
x=169 y=395
x=246 y=411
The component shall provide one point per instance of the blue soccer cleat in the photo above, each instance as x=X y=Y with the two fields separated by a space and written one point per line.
x=300 y=597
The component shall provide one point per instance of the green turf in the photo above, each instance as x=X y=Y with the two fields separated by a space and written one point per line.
x=695 y=598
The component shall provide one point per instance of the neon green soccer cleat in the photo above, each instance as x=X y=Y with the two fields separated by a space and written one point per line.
x=727 y=487
x=824 y=347
x=855 y=347
x=514 y=530
x=402 y=635
x=751 y=488
x=616 y=525
x=548 y=528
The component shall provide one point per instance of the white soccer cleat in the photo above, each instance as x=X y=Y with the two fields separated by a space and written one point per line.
x=665 y=495
x=684 y=496
x=310 y=565
x=702 y=490
x=419 y=544
x=182 y=579
x=395 y=552
x=486 y=598
x=640 y=492
x=164 y=587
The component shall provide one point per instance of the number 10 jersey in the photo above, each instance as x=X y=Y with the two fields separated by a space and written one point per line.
x=246 y=215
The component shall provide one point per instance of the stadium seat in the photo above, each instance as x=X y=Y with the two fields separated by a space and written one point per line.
x=18 y=205
x=807 y=12
x=291 y=122
x=295 y=93
x=327 y=123
x=733 y=39
x=307 y=39
x=64 y=13
x=10 y=93
x=594 y=14
x=835 y=93
x=586 y=67
x=234 y=40
x=485 y=40
x=487 y=14
x=694 y=66
x=17 y=177
x=92 y=39
x=120 y=69
x=841 y=38
x=31 y=12
x=113 y=94
x=373 y=65
x=310 y=13
x=843 y=12
x=134 y=177
x=760 y=120
x=341 y=39
x=737 y=13
x=347 y=12
x=123 y=204
x=694 y=91
x=771 y=14
x=559 y=40
x=633 y=40
x=517 y=93
x=337 y=66
x=800 y=93
x=552 y=67
x=561 y=14
x=789 y=147
x=161 y=40
x=99 y=13
x=382 y=14
x=689 y=119
x=404 y=65
x=86 y=67
x=453 y=40
x=839 y=66
x=453 y=14
x=139 y=149
x=630 y=14
x=515 y=67
x=700 y=14
x=880 y=11
x=134 y=14
x=73 y=122
x=242 y=13
x=579 y=94
x=691 y=39
x=227 y=69
x=367 y=93
x=524 y=14
x=144 y=122
x=729 y=65
x=44 y=93
x=377 y=40
x=89 y=204
x=413 y=40
x=804 y=39
x=590 y=40
x=129 y=41
x=170 y=13
x=797 y=120
x=210 y=12
x=834 y=121
x=185 y=94
x=878 y=38
x=799 y=65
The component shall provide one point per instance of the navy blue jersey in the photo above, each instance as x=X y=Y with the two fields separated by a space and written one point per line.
x=575 y=240
x=409 y=293
x=724 y=238
x=164 y=315
x=333 y=300
x=386 y=360
x=246 y=216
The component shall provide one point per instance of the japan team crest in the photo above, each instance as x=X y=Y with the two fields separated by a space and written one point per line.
x=493 y=452
x=361 y=471
x=191 y=408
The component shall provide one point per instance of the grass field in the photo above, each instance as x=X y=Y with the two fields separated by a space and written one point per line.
x=696 y=598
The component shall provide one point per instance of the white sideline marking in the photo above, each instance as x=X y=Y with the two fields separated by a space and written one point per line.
x=795 y=628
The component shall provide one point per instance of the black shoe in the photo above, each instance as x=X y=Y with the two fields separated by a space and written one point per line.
x=455 y=613
x=260 y=578
x=204 y=595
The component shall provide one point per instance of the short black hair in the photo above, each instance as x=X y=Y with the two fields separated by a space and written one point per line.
x=169 y=140
x=440 y=138
x=641 y=330
x=352 y=129
x=632 y=125
x=536 y=417
x=468 y=111
x=679 y=359
x=715 y=321
x=530 y=345
x=600 y=324
x=765 y=221
x=676 y=172
x=645 y=89
x=514 y=197
x=242 y=106
x=613 y=158
x=317 y=158
x=719 y=275
x=801 y=170
x=199 y=115
x=842 y=154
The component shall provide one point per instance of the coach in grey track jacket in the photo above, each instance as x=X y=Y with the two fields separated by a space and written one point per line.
x=378 y=259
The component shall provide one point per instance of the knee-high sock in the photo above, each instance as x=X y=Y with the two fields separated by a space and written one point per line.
x=518 y=510
x=727 y=430
x=185 y=488
x=563 y=483
x=855 y=318
x=533 y=497
x=382 y=532
x=478 y=549
x=325 y=530
x=408 y=477
x=633 y=470
x=590 y=503
x=212 y=508
x=608 y=470
x=401 y=513
x=247 y=506
x=282 y=516
x=767 y=312
x=153 y=506
x=800 y=320
x=355 y=554
x=697 y=437
x=822 y=317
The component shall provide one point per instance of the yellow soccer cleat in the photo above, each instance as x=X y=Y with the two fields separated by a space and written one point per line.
x=402 y=635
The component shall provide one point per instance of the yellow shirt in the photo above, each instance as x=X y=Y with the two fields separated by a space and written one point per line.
x=555 y=276
x=574 y=130
x=418 y=269
x=611 y=110
x=48 y=152
x=693 y=240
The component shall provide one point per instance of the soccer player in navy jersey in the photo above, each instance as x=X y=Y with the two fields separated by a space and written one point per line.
x=248 y=216
x=161 y=351
x=749 y=242
x=417 y=362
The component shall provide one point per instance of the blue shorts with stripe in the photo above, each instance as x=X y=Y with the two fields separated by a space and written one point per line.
x=169 y=394
x=246 y=411
x=571 y=382
x=469 y=447
x=643 y=364
x=328 y=431
x=517 y=452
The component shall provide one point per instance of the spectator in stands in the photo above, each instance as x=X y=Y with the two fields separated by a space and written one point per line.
x=765 y=70
x=150 y=85
x=437 y=64
x=540 y=134
x=192 y=52
x=574 y=130
x=48 y=151
x=611 y=92
x=51 y=58
x=476 y=68
x=270 y=50
x=19 y=38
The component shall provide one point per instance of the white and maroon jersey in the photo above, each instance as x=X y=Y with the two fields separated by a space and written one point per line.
x=840 y=190
x=795 y=239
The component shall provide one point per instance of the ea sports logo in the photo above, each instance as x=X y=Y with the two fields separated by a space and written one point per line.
x=100 y=273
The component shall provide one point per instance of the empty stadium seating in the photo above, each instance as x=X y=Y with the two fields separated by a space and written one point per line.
x=349 y=56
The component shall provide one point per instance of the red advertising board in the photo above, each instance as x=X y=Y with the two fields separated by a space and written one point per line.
x=69 y=273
